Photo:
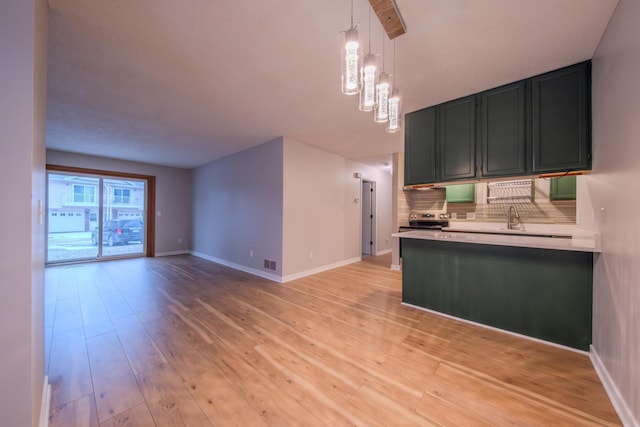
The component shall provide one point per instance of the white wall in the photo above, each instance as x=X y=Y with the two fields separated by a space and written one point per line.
x=237 y=208
x=322 y=219
x=23 y=36
x=286 y=202
x=173 y=195
x=320 y=215
x=613 y=186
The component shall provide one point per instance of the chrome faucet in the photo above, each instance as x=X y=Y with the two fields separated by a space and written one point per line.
x=509 y=220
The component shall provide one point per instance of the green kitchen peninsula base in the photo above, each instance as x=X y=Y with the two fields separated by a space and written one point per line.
x=542 y=293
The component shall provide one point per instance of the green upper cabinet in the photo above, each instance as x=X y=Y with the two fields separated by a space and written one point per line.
x=457 y=139
x=561 y=119
x=420 y=147
x=535 y=126
x=502 y=141
x=563 y=188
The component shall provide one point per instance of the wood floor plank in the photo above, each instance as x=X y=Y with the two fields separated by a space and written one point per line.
x=77 y=413
x=181 y=353
x=169 y=400
x=114 y=384
x=388 y=411
x=220 y=401
x=210 y=345
x=138 y=416
x=140 y=349
x=272 y=403
x=69 y=371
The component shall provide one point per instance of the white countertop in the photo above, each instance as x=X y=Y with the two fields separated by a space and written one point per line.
x=579 y=242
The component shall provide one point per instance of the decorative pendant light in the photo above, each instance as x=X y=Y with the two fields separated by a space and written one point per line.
x=395 y=112
x=395 y=102
x=383 y=90
x=351 y=60
x=369 y=78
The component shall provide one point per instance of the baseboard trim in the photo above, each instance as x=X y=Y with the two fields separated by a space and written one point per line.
x=170 y=253
x=255 y=272
x=382 y=252
x=316 y=270
x=504 y=331
x=45 y=404
x=617 y=400
x=396 y=267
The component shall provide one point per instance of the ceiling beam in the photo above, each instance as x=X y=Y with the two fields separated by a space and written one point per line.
x=389 y=16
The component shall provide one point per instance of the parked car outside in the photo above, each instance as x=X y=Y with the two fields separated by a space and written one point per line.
x=119 y=232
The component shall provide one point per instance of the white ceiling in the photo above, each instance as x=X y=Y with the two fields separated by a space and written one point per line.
x=182 y=83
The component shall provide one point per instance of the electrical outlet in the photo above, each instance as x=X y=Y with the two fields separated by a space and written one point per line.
x=251 y=253
x=454 y=215
x=471 y=216
x=310 y=254
x=603 y=216
x=180 y=240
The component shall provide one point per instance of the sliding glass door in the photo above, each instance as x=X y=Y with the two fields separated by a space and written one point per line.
x=93 y=217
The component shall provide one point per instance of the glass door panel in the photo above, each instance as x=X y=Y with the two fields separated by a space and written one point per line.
x=123 y=213
x=72 y=216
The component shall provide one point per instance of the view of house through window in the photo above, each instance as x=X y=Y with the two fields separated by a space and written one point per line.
x=91 y=217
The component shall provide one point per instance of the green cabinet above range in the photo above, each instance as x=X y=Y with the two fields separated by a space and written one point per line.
x=533 y=126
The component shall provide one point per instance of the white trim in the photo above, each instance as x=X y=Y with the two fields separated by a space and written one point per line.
x=382 y=252
x=45 y=404
x=617 y=400
x=170 y=253
x=320 y=269
x=564 y=347
x=396 y=267
x=255 y=272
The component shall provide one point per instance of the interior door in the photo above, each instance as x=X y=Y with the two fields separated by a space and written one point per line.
x=368 y=217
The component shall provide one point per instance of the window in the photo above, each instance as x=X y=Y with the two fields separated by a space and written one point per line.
x=84 y=194
x=121 y=195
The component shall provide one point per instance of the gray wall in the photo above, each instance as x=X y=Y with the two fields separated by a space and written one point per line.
x=23 y=37
x=237 y=208
x=613 y=186
x=173 y=195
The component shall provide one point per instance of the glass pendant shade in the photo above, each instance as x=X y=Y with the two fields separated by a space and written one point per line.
x=351 y=62
x=395 y=112
x=381 y=114
x=369 y=79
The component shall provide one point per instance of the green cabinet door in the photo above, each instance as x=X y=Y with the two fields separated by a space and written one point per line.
x=561 y=124
x=420 y=147
x=457 y=139
x=563 y=188
x=503 y=143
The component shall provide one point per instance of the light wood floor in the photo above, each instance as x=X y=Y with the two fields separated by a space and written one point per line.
x=180 y=341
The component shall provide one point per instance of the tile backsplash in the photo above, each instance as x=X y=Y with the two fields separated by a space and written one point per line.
x=540 y=210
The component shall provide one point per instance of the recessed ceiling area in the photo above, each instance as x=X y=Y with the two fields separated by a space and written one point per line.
x=184 y=83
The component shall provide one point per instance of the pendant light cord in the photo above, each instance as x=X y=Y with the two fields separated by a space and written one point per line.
x=369 y=30
x=351 y=13
x=394 y=63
